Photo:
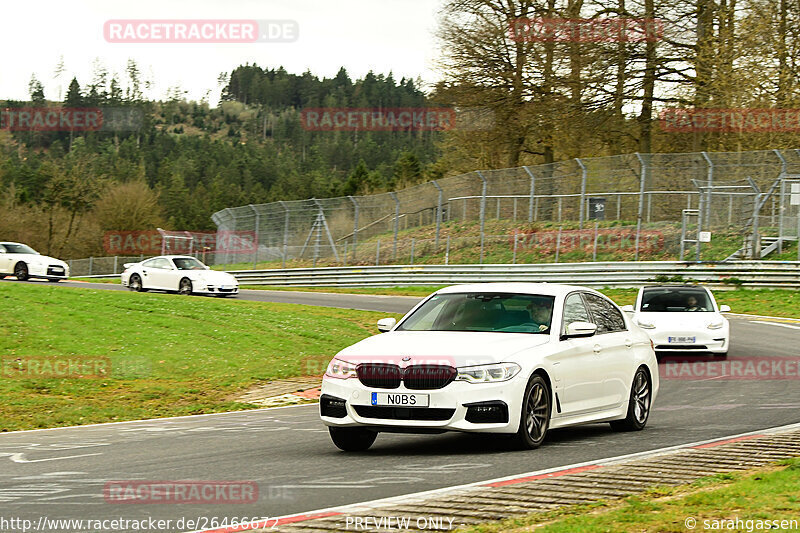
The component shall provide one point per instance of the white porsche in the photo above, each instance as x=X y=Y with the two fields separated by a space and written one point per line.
x=682 y=318
x=513 y=358
x=23 y=262
x=178 y=273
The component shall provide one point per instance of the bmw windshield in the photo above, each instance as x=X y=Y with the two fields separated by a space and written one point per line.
x=484 y=312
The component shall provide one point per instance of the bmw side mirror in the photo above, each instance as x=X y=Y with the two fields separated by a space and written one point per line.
x=724 y=308
x=386 y=324
x=580 y=329
x=627 y=308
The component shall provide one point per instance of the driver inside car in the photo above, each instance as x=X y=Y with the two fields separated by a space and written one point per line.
x=691 y=304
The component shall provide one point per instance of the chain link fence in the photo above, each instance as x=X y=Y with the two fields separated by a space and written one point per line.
x=614 y=207
x=703 y=191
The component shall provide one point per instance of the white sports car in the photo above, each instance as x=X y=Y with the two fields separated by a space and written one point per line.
x=682 y=318
x=178 y=273
x=24 y=263
x=513 y=358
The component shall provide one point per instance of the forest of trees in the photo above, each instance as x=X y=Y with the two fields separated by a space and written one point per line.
x=551 y=99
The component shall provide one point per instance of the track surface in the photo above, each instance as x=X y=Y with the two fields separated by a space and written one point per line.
x=60 y=473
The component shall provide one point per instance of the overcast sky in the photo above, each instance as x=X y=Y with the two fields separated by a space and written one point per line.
x=361 y=35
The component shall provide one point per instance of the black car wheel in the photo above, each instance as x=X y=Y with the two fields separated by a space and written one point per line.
x=352 y=439
x=135 y=283
x=535 y=418
x=21 y=271
x=638 y=405
x=185 y=286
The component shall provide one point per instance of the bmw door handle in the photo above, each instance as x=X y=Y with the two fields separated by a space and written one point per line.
x=628 y=343
x=597 y=348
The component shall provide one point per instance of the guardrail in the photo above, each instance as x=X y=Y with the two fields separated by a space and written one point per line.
x=762 y=274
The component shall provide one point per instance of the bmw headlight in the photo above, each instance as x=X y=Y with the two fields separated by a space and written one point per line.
x=341 y=369
x=488 y=373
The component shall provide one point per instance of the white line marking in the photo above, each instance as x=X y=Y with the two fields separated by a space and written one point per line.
x=20 y=458
x=229 y=413
x=774 y=324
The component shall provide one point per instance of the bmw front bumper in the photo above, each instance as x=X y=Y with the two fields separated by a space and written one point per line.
x=459 y=406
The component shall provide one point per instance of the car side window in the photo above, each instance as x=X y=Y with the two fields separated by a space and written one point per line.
x=574 y=311
x=2 y=249
x=604 y=314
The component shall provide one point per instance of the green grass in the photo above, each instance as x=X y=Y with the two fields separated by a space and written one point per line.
x=769 y=494
x=169 y=355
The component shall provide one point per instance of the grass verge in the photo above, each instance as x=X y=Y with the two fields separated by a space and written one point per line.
x=168 y=355
x=711 y=503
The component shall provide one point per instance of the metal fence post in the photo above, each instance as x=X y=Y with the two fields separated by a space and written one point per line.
x=355 y=228
x=533 y=193
x=447 y=251
x=438 y=212
x=116 y=263
x=780 y=203
x=594 y=248
x=558 y=244
x=642 y=180
x=257 y=224
x=396 y=222
x=378 y=253
x=412 y=250
x=709 y=183
x=514 y=256
x=583 y=191
x=483 y=209
x=91 y=264
x=285 y=233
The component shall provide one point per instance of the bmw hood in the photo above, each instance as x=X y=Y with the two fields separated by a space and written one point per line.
x=456 y=348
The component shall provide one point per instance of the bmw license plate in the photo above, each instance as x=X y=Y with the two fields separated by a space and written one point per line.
x=682 y=340
x=399 y=399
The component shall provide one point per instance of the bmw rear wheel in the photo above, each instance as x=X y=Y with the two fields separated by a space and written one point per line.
x=638 y=404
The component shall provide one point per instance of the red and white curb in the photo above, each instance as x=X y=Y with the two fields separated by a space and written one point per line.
x=499 y=482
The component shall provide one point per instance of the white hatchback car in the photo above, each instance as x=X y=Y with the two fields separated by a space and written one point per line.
x=682 y=318
x=178 y=273
x=513 y=358
x=24 y=262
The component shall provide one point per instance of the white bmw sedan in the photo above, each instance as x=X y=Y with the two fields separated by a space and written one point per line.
x=178 y=273
x=513 y=358
x=682 y=318
x=24 y=263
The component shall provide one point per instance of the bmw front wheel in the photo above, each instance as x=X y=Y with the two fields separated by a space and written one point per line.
x=535 y=417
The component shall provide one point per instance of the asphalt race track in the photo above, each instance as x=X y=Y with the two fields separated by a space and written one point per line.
x=61 y=473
